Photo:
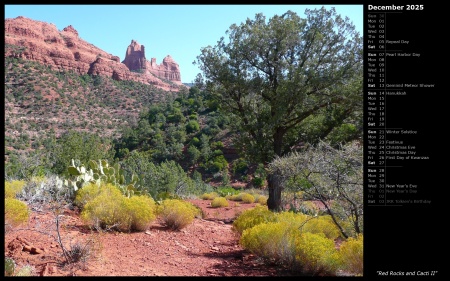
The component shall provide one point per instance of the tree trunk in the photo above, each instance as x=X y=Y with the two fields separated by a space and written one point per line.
x=273 y=181
x=274 y=200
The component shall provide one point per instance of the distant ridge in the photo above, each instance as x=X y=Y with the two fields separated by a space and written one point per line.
x=64 y=50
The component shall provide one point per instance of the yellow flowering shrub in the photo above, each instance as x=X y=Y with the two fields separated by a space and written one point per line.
x=251 y=217
x=177 y=214
x=351 y=254
x=219 y=202
x=12 y=188
x=16 y=212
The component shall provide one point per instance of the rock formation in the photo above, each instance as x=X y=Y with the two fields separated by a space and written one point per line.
x=135 y=57
x=169 y=69
x=65 y=50
x=135 y=60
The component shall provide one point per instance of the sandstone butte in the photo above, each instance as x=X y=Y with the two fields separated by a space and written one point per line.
x=66 y=51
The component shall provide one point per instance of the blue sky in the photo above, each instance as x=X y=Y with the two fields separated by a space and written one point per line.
x=176 y=30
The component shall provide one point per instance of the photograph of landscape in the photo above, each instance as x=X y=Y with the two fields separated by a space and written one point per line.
x=184 y=140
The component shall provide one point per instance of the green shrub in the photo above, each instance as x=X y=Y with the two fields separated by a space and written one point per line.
x=218 y=164
x=258 y=182
x=177 y=214
x=167 y=176
x=247 y=198
x=12 y=188
x=224 y=191
x=141 y=209
x=240 y=166
x=219 y=202
x=16 y=212
x=315 y=254
x=192 y=126
x=273 y=240
x=351 y=254
x=251 y=217
x=217 y=145
x=195 y=141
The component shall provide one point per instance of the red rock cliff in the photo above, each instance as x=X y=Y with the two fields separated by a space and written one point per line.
x=65 y=50
x=135 y=60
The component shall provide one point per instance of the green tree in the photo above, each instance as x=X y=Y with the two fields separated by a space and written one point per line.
x=166 y=177
x=193 y=154
x=283 y=79
x=192 y=127
x=81 y=146
x=26 y=166
x=138 y=163
x=205 y=148
x=129 y=140
x=152 y=113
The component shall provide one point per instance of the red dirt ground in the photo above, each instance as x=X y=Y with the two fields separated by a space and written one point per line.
x=206 y=247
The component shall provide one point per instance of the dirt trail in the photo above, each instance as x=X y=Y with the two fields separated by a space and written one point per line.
x=206 y=247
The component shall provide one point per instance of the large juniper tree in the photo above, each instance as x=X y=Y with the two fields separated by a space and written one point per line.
x=286 y=81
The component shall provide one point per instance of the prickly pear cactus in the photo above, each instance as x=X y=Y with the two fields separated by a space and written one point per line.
x=101 y=171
